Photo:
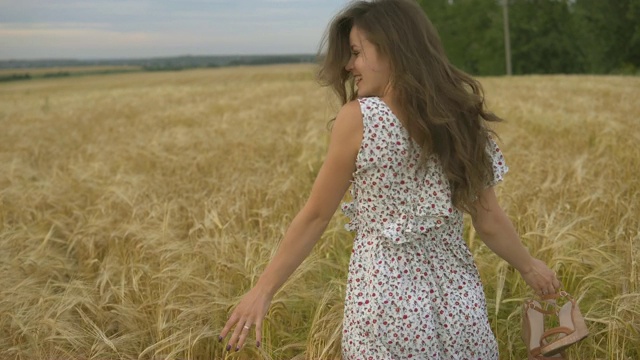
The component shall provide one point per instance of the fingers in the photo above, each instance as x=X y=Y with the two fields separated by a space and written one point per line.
x=258 y=333
x=542 y=279
x=551 y=286
x=547 y=291
x=249 y=312
x=232 y=320
x=227 y=327
x=233 y=342
x=244 y=331
x=239 y=335
x=554 y=285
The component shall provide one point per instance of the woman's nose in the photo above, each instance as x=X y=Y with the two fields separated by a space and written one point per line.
x=349 y=65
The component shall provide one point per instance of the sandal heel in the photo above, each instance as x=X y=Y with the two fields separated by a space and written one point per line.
x=572 y=327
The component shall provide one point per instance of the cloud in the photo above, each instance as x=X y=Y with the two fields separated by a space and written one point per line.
x=78 y=37
x=40 y=41
x=53 y=25
x=134 y=28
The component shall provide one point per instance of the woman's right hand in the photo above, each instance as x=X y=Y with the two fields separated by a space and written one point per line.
x=250 y=311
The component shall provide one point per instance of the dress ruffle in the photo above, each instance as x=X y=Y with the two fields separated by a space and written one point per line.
x=350 y=211
x=498 y=163
x=406 y=226
x=414 y=224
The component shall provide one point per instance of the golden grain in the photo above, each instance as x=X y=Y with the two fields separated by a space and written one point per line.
x=136 y=209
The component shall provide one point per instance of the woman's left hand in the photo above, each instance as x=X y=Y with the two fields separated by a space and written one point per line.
x=540 y=278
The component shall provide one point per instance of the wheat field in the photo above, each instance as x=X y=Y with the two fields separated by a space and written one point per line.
x=135 y=210
x=68 y=69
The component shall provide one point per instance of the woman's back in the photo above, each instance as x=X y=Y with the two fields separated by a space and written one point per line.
x=393 y=195
x=409 y=252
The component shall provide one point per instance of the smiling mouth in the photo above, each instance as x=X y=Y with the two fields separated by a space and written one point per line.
x=357 y=79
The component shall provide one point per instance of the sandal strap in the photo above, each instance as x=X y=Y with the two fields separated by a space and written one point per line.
x=549 y=297
x=530 y=305
x=559 y=294
x=558 y=330
x=542 y=357
x=550 y=300
x=537 y=354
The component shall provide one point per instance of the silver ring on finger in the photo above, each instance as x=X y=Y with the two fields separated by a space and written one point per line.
x=246 y=327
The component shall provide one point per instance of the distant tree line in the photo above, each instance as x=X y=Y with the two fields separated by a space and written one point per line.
x=15 y=77
x=23 y=74
x=547 y=36
x=163 y=63
x=176 y=63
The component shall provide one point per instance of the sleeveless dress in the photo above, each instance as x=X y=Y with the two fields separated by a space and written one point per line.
x=413 y=289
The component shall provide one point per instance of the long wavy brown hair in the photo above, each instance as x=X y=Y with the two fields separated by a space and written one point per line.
x=444 y=104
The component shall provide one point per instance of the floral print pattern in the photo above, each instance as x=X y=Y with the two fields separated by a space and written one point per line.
x=413 y=289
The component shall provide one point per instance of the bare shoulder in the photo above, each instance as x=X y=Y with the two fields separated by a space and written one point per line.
x=348 y=126
x=349 y=120
x=335 y=175
x=351 y=109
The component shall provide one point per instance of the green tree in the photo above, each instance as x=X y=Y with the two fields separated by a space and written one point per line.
x=609 y=34
x=542 y=37
x=633 y=52
x=547 y=36
x=471 y=32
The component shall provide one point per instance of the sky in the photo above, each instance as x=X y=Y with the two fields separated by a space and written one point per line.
x=105 y=29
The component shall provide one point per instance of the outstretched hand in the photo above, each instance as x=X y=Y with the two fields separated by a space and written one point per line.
x=541 y=279
x=250 y=311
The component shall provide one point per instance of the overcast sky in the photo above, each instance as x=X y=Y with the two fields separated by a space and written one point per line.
x=90 y=29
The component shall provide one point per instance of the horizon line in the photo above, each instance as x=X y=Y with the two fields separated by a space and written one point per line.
x=150 y=57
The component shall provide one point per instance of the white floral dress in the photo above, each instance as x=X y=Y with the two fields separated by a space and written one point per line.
x=413 y=289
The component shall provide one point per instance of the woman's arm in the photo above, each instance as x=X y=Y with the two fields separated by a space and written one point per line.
x=497 y=232
x=330 y=185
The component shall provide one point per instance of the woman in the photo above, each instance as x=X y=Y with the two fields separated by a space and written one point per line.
x=413 y=144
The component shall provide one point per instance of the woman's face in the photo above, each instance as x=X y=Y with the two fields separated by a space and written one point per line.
x=370 y=70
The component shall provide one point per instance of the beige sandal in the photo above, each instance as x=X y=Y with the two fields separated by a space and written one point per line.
x=572 y=327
